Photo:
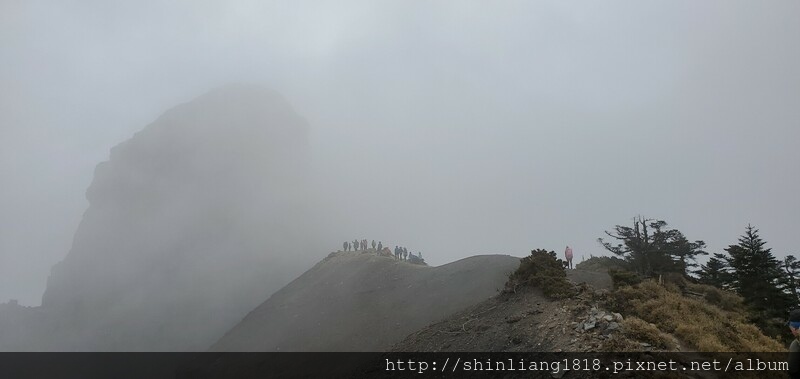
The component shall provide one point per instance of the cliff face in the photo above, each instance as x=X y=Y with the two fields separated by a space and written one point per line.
x=192 y=223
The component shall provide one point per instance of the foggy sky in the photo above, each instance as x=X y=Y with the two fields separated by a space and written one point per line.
x=452 y=128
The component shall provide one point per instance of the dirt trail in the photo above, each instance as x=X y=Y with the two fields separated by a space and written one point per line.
x=598 y=280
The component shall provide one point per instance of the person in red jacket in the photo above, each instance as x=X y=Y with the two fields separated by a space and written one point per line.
x=568 y=255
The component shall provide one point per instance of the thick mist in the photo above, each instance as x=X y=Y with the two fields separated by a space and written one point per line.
x=453 y=129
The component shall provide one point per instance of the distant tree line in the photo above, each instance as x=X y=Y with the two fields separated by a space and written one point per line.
x=768 y=285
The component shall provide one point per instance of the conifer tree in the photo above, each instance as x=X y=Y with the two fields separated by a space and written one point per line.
x=650 y=247
x=757 y=276
x=791 y=269
x=715 y=272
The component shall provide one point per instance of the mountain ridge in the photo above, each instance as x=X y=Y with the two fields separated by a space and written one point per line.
x=360 y=301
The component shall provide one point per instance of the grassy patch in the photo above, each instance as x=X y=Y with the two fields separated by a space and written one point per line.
x=639 y=330
x=698 y=322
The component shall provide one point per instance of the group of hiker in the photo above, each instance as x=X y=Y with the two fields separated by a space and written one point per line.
x=400 y=253
x=356 y=245
x=403 y=254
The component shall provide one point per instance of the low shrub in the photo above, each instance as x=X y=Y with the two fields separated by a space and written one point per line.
x=603 y=264
x=543 y=270
x=624 y=278
x=725 y=300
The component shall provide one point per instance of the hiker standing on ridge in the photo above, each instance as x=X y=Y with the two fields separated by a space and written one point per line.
x=568 y=255
x=380 y=246
x=794 y=348
x=344 y=246
x=373 y=245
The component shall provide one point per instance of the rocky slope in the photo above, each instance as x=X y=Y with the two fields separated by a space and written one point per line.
x=525 y=321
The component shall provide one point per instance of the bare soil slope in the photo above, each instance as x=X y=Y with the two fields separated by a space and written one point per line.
x=359 y=301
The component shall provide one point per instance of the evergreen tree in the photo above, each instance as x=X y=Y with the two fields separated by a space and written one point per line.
x=791 y=269
x=635 y=245
x=715 y=272
x=683 y=252
x=652 y=248
x=757 y=276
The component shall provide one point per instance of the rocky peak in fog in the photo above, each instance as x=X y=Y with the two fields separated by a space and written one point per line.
x=191 y=223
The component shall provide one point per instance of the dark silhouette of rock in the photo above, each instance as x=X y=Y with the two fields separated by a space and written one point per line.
x=191 y=223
